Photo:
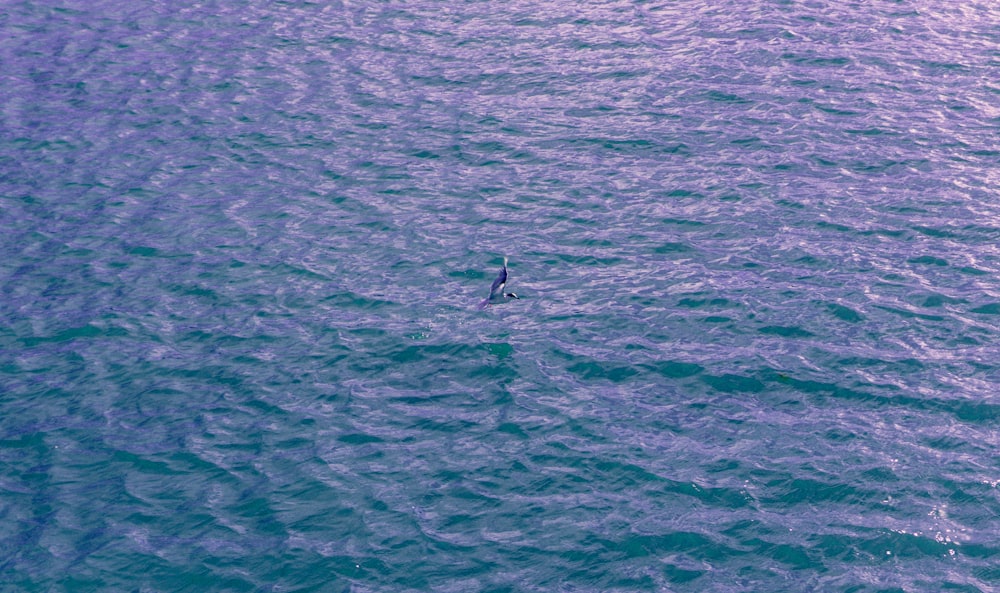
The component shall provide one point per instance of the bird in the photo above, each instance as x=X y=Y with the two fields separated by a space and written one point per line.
x=496 y=290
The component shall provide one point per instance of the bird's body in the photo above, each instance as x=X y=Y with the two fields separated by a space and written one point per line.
x=497 y=294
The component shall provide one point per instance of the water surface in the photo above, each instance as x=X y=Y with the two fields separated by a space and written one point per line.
x=756 y=247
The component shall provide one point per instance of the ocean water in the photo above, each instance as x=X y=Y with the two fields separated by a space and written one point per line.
x=756 y=246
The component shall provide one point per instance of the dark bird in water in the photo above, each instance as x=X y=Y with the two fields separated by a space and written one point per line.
x=496 y=290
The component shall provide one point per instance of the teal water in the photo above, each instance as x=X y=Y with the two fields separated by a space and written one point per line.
x=755 y=245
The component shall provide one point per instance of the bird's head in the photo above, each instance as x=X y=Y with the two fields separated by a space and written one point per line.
x=511 y=295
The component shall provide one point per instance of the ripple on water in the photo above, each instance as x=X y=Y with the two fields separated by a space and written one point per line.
x=755 y=246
